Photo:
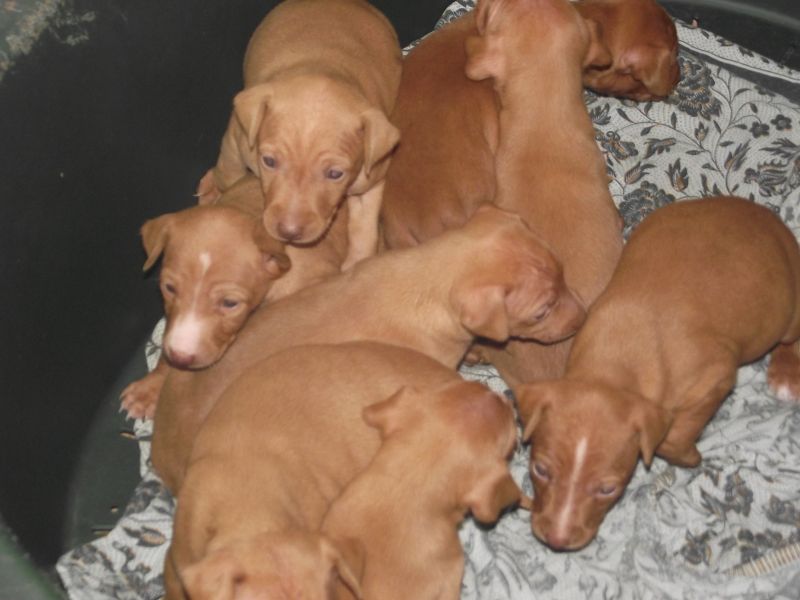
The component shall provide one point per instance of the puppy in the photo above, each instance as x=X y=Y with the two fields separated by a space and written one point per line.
x=282 y=443
x=643 y=43
x=548 y=166
x=320 y=77
x=181 y=234
x=491 y=278
x=444 y=167
x=702 y=287
x=218 y=264
x=443 y=454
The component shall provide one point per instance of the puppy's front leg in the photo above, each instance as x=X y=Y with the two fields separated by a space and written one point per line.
x=139 y=399
x=362 y=225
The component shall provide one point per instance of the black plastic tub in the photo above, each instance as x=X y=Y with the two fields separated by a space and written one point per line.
x=103 y=130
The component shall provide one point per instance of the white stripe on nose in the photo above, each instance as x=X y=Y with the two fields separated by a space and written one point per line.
x=186 y=334
x=562 y=522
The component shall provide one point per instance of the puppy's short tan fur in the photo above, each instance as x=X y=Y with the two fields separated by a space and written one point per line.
x=443 y=453
x=218 y=264
x=284 y=440
x=491 y=278
x=643 y=43
x=443 y=168
x=320 y=78
x=549 y=168
x=225 y=234
x=702 y=287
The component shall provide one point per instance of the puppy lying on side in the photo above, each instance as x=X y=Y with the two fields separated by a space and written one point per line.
x=218 y=265
x=443 y=169
x=320 y=77
x=282 y=443
x=491 y=278
x=224 y=236
x=549 y=168
x=443 y=454
x=702 y=287
x=643 y=43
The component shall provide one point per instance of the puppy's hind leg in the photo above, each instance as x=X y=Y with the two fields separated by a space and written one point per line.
x=783 y=373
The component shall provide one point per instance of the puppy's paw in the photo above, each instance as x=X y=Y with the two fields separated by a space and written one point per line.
x=140 y=398
x=207 y=190
x=783 y=374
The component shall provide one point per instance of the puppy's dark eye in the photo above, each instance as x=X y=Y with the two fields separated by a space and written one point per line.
x=269 y=161
x=229 y=303
x=170 y=289
x=334 y=174
x=541 y=471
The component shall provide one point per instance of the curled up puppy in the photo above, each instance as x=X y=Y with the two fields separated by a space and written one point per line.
x=703 y=286
x=443 y=454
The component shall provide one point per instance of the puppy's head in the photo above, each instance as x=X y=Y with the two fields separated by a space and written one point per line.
x=469 y=432
x=519 y=35
x=218 y=264
x=512 y=285
x=278 y=566
x=585 y=442
x=644 y=49
x=316 y=142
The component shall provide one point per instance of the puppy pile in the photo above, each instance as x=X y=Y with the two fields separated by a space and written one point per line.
x=307 y=412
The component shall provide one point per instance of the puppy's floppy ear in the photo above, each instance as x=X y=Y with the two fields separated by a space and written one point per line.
x=652 y=424
x=492 y=493
x=212 y=578
x=155 y=234
x=533 y=399
x=598 y=55
x=387 y=416
x=346 y=557
x=482 y=310
x=380 y=137
x=484 y=58
x=249 y=105
x=276 y=261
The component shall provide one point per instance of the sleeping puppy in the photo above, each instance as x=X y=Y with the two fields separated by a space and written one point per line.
x=320 y=77
x=702 y=287
x=443 y=453
x=218 y=265
x=492 y=277
x=643 y=43
x=282 y=443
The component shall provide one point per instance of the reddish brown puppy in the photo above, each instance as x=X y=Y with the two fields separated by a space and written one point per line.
x=643 y=44
x=702 y=287
x=549 y=168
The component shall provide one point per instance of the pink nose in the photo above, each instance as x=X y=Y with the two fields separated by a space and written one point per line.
x=557 y=541
x=290 y=231
x=180 y=360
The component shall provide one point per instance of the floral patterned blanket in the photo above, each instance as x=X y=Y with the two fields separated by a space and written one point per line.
x=727 y=529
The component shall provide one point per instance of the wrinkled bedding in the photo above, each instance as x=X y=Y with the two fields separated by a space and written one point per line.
x=727 y=529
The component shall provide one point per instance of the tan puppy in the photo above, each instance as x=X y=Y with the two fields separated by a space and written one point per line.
x=443 y=454
x=702 y=287
x=491 y=278
x=549 y=168
x=218 y=264
x=223 y=235
x=443 y=168
x=320 y=77
x=285 y=438
x=644 y=48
